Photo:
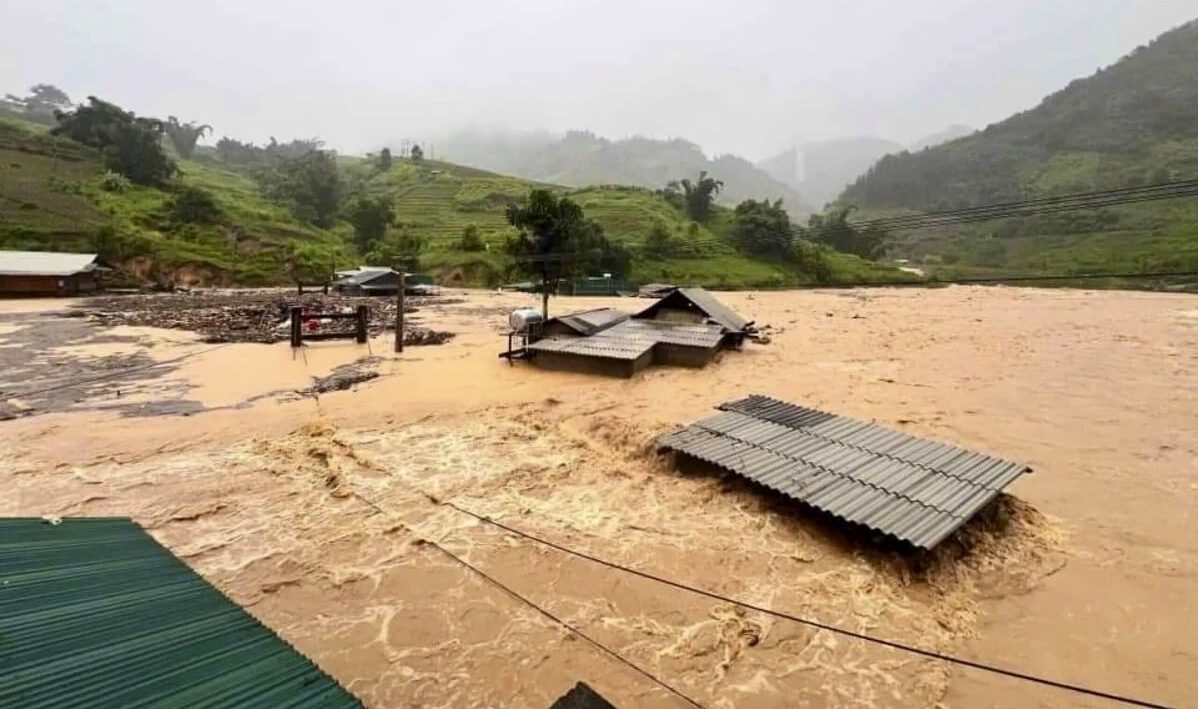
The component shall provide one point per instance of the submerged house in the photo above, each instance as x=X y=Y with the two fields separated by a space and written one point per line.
x=48 y=273
x=367 y=280
x=380 y=280
x=687 y=328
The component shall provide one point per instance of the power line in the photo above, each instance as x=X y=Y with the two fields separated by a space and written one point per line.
x=931 y=654
x=514 y=594
x=1079 y=200
x=1030 y=207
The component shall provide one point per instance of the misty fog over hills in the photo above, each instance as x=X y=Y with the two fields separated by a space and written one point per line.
x=581 y=158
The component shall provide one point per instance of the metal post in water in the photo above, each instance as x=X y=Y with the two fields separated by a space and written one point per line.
x=363 y=319
x=399 y=302
x=297 y=332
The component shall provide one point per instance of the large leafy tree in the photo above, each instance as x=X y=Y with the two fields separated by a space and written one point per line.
x=400 y=248
x=833 y=228
x=762 y=229
x=695 y=198
x=310 y=184
x=130 y=145
x=43 y=102
x=384 y=160
x=371 y=217
x=184 y=136
x=556 y=241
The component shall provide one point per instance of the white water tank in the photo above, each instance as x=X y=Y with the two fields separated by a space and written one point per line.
x=524 y=318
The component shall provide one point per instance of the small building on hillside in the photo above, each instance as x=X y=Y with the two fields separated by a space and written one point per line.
x=48 y=273
x=687 y=328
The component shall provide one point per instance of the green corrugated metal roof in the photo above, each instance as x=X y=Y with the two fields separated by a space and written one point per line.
x=94 y=612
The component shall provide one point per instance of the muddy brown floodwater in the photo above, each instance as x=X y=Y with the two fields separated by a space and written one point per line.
x=312 y=510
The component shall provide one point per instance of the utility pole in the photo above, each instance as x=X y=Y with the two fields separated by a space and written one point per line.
x=403 y=286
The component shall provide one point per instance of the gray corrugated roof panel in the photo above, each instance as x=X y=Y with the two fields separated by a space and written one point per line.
x=917 y=490
x=589 y=322
x=45 y=263
x=697 y=335
x=94 y=612
x=596 y=346
x=700 y=300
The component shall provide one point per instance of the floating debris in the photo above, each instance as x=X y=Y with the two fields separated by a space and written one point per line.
x=247 y=316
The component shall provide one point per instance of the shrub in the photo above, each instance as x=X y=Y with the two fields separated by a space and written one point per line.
x=115 y=182
x=193 y=205
x=470 y=240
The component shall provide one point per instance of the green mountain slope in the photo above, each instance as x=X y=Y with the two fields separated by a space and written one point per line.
x=438 y=200
x=1133 y=123
x=582 y=159
x=54 y=195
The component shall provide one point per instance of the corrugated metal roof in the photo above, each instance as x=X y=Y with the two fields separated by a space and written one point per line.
x=589 y=322
x=911 y=488
x=595 y=346
x=632 y=338
x=698 y=335
x=716 y=310
x=365 y=275
x=705 y=302
x=45 y=263
x=94 y=612
x=581 y=696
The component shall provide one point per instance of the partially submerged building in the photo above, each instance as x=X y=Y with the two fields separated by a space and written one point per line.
x=688 y=328
x=381 y=281
x=47 y=273
x=94 y=612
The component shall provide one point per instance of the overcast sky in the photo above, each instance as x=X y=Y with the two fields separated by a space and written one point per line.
x=746 y=77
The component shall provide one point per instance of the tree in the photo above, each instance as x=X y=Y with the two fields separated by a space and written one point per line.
x=763 y=229
x=371 y=217
x=556 y=241
x=470 y=240
x=698 y=196
x=308 y=263
x=659 y=243
x=833 y=228
x=309 y=183
x=417 y=154
x=185 y=135
x=384 y=160
x=193 y=205
x=130 y=145
x=43 y=103
x=400 y=248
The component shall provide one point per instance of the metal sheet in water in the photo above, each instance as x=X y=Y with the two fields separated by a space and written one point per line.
x=911 y=488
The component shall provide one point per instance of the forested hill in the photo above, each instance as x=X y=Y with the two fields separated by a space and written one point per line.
x=581 y=159
x=1132 y=123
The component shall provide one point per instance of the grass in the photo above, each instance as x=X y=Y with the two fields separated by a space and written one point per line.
x=52 y=196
